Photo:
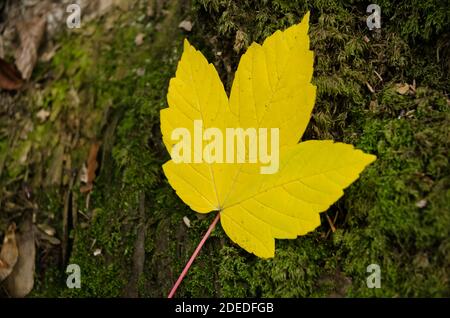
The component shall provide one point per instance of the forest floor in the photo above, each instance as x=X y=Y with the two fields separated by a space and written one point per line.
x=81 y=152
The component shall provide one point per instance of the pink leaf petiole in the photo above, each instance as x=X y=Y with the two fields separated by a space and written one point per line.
x=194 y=255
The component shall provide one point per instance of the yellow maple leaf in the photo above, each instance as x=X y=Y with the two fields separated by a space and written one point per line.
x=271 y=89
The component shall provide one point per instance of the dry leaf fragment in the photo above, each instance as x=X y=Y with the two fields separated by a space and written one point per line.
x=421 y=203
x=92 y=166
x=140 y=71
x=186 y=221
x=370 y=88
x=31 y=33
x=92 y=162
x=21 y=280
x=9 y=252
x=97 y=252
x=239 y=41
x=139 y=40
x=83 y=174
x=47 y=229
x=402 y=89
x=86 y=188
x=185 y=25
x=42 y=235
x=42 y=115
x=10 y=77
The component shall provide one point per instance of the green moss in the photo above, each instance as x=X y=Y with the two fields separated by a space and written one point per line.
x=294 y=272
x=410 y=241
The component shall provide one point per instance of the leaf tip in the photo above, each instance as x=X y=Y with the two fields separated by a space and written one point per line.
x=306 y=17
x=186 y=45
x=370 y=158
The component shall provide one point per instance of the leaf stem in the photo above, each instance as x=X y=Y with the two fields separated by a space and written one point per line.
x=194 y=255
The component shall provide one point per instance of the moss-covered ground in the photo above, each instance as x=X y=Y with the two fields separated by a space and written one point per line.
x=101 y=87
